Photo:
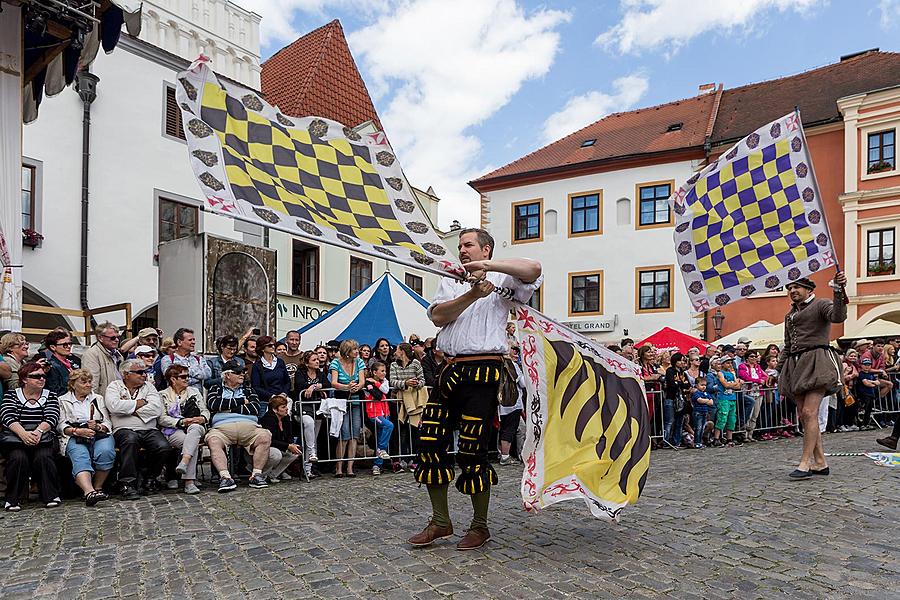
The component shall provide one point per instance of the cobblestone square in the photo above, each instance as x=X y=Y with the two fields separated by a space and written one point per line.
x=715 y=523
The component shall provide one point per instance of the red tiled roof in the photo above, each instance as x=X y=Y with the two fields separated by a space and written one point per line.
x=745 y=109
x=317 y=76
x=642 y=131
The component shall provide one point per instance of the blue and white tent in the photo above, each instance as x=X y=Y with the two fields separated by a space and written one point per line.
x=387 y=309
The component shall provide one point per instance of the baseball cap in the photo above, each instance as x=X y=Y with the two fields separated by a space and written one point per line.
x=744 y=340
x=335 y=344
x=866 y=361
x=147 y=332
x=233 y=366
x=727 y=348
x=144 y=349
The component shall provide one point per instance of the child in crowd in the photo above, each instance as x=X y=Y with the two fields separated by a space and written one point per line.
x=726 y=418
x=866 y=391
x=702 y=401
x=377 y=410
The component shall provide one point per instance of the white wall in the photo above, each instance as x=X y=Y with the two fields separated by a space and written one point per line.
x=618 y=251
x=130 y=159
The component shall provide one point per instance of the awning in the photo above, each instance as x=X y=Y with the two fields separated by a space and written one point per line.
x=748 y=331
x=62 y=36
x=673 y=340
x=879 y=328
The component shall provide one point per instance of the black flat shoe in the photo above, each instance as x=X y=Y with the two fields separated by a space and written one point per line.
x=798 y=474
x=824 y=471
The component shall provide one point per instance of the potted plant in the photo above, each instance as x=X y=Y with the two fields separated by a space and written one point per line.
x=880 y=167
x=31 y=238
x=882 y=268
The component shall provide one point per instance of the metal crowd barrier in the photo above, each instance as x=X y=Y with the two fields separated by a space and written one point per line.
x=886 y=403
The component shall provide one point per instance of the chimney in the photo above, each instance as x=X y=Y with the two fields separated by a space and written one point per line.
x=455 y=226
x=706 y=88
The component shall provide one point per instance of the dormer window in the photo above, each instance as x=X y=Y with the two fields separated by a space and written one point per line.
x=674 y=127
x=588 y=143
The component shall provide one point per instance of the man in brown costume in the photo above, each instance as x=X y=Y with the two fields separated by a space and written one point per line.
x=809 y=369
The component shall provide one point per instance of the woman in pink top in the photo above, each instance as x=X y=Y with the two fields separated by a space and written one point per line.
x=754 y=378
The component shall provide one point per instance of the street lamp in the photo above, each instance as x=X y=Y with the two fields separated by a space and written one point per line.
x=718 y=319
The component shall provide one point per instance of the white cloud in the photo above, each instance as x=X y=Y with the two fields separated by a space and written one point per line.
x=670 y=24
x=446 y=67
x=890 y=12
x=583 y=110
x=277 y=25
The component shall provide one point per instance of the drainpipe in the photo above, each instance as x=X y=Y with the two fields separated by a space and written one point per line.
x=86 y=86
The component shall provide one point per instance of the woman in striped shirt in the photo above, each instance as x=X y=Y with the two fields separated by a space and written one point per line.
x=31 y=413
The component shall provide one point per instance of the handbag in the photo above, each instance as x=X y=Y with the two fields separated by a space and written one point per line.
x=191 y=408
x=508 y=392
x=9 y=439
x=849 y=400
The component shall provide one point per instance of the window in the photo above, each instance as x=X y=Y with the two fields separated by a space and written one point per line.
x=176 y=220
x=360 y=274
x=414 y=282
x=527 y=221
x=881 y=252
x=588 y=143
x=29 y=185
x=653 y=204
x=881 y=151
x=623 y=211
x=654 y=288
x=305 y=270
x=173 y=124
x=586 y=293
x=585 y=213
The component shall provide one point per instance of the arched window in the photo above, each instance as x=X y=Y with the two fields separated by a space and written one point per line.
x=623 y=211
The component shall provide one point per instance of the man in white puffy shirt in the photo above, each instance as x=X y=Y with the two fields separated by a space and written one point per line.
x=472 y=318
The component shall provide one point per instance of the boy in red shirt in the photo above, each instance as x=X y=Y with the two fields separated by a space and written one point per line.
x=375 y=391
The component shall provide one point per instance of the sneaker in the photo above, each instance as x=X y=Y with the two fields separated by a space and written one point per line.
x=395 y=466
x=129 y=493
x=12 y=507
x=412 y=467
x=181 y=469
x=376 y=470
x=191 y=489
x=226 y=485
x=172 y=484
x=285 y=477
x=506 y=460
x=54 y=503
x=272 y=480
x=258 y=482
x=383 y=454
x=313 y=458
x=698 y=446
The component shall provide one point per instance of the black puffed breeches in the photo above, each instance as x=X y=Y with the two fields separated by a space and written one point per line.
x=465 y=398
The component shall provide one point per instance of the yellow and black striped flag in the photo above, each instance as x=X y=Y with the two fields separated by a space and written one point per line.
x=588 y=430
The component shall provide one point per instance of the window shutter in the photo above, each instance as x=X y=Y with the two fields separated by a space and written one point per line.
x=174 y=126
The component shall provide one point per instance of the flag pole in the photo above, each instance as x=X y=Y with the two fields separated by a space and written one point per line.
x=812 y=170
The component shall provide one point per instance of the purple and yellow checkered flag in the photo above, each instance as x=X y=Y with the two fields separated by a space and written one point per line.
x=752 y=221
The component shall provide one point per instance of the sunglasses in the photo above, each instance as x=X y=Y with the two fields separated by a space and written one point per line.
x=146 y=354
x=111 y=337
x=143 y=373
x=241 y=373
x=179 y=376
x=37 y=376
x=65 y=345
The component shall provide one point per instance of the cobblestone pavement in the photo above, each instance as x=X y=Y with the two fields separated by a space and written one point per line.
x=715 y=523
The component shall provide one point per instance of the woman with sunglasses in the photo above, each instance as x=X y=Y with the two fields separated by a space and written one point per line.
x=61 y=362
x=184 y=423
x=269 y=375
x=86 y=435
x=14 y=349
x=29 y=415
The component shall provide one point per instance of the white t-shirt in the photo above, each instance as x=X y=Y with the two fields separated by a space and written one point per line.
x=481 y=328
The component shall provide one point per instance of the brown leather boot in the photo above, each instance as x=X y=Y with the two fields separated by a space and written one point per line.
x=475 y=538
x=432 y=532
x=888 y=442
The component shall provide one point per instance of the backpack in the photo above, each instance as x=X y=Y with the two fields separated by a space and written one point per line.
x=508 y=392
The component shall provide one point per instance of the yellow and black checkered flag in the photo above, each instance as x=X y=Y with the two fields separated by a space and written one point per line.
x=752 y=220
x=311 y=177
x=588 y=427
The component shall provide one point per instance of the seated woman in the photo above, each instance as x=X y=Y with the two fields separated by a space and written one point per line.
x=309 y=380
x=86 y=435
x=184 y=423
x=283 y=451
x=29 y=415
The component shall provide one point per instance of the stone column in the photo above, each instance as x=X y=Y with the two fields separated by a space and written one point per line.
x=11 y=71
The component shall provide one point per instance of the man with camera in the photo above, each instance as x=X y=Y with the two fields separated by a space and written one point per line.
x=135 y=408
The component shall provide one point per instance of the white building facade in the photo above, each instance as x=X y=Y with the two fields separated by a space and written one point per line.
x=609 y=269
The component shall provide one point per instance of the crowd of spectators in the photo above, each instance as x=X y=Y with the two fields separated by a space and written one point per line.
x=132 y=417
x=135 y=416
x=728 y=395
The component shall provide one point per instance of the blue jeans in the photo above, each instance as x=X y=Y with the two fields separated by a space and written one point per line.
x=99 y=455
x=352 y=424
x=672 y=431
x=700 y=419
x=383 y=429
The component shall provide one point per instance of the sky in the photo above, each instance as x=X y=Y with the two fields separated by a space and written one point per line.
x=466 y=86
